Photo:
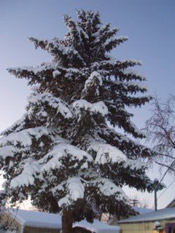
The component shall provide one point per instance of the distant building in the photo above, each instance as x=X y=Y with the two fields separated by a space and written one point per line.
x=114 y=221
x=162 y=221
x=24 y=221
x=142 y=210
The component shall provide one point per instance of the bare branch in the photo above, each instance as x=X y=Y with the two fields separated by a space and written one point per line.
x=165 y=165
x=160 y=129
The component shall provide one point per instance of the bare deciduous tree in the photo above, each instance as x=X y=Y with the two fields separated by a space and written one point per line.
x=160 y=129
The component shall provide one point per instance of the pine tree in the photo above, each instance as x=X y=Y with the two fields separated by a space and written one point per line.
x=65 y=153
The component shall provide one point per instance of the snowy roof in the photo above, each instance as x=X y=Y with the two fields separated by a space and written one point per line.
x=167 y=213
x=36 y=219
x=142 y=210
x=53 y=221
x=171 y=204
x=98 y=227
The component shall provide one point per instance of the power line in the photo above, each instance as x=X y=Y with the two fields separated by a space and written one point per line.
x=165 y=189
x=166 y=172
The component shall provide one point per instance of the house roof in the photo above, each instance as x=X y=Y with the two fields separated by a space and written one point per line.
x=171 y=204
x=98 y=227
x=53 y=221
x=36 y=219
x=167 y=213
x=142 y=210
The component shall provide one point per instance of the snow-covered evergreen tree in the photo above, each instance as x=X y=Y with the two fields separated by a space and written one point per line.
x=64 y=152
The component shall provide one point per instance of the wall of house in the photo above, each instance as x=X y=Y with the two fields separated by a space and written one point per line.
x=136 y=227
x=143 y=227
x=6 y=220
x=39 y=230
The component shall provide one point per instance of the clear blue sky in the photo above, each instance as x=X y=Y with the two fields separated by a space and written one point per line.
x=149 y=24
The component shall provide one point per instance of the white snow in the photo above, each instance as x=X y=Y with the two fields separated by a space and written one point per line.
x=18 y=125
x=132 y=71
x=99 y=107
x=113 y=39
x=136 y=130
x=53 y=221
x=7 y=151
x=53 y=159
x=56 y=73
x=108 y=188
x=36 y=219
x=55 y=45
x=47 y=98
x=167 y=213
x=94 y=108
x=36 y=70
x=134 y=164
x=24 y=136
x=75 y=191
x=76 y=188
x=31 y=167
x=136 y=84
x=94 y=80
x=143 y=210
x=107 y=153
x=98 y=227
x=64 y=201
x=7 y=231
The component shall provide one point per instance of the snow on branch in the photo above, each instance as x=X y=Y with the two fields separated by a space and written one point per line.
x=73 y=32
x=58 y=50
x=7 y=151
x=24 y=137
x=76 y=188
x=53 y=160
x=135 y=164
x=114 y=64
x=26 y=178
x=113 y=42
x=35 y=74
x=16 y=126
x=108 y=188
x=95 y=108
x=47 y=98
x=92 y=84
x=105 y=153
x=104 y=32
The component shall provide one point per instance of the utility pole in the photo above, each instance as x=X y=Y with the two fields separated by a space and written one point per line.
x=157 y=186
x=134 y=202
x=155 y=199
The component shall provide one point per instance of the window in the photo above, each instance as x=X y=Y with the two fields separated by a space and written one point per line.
x=170 y=228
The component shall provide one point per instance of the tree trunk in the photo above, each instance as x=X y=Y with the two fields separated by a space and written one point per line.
x=67 y=221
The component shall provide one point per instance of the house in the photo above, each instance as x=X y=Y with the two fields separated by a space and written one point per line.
x=162 y=221
x=171 y=204
x=141 y=210
x=24 y=221
x=114 y=221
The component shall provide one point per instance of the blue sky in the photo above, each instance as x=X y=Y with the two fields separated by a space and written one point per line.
x=149 y=24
